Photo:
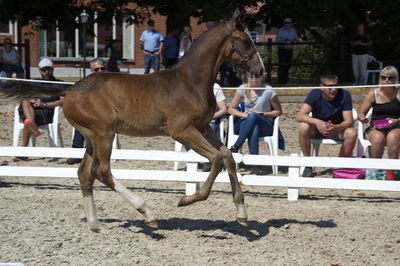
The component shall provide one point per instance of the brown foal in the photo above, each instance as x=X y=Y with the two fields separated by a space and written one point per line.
x=178 y=102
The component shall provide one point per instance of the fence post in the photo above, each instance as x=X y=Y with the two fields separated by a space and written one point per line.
x=269 y=60
x=27 y=59
x=191 y=187
x=294 y=172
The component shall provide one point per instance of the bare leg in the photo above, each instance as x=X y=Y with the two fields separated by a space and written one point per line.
x=349 y=142
x=393 y=143
x=305 y=133
x=194 y=139
x=378 y=141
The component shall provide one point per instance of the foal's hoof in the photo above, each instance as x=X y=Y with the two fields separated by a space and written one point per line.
x=183 y=202
x=95 y=227
x=242 y=221
x=152 y=224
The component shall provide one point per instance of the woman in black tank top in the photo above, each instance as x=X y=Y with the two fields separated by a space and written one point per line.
x=385 y=104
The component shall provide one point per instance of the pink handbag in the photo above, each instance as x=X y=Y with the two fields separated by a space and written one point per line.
x=349 y=173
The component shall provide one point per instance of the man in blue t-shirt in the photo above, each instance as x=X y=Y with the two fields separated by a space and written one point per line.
x=151 y=43
x=332 y=117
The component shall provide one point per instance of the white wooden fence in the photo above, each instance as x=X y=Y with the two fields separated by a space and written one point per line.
x=292 y=181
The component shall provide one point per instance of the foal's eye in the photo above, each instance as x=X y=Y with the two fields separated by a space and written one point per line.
x=246 y=42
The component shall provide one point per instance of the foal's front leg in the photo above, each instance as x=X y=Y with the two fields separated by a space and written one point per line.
x=209 y=149
x=230 y=165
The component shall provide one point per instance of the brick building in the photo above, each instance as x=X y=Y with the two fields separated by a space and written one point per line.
x=64 y=47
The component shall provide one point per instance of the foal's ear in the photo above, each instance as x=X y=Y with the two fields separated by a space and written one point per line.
x=238 y=18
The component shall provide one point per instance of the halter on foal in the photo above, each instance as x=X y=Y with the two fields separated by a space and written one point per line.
x=178 y=102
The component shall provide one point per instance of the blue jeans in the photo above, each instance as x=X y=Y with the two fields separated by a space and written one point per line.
x=252 y=128
x=148 y=60
x=78 y=140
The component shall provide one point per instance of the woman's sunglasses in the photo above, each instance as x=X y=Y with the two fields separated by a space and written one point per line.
x=390 y=78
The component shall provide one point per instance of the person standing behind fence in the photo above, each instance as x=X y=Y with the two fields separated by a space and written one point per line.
x=96 y=65
x=37 y=112
x=332 y=117
x=286 y=36
x=115 y=57
x=385 y=104
x=151 y=43
x=170 y=48
x=186 y=40
x=360 y=44
x=11 y=60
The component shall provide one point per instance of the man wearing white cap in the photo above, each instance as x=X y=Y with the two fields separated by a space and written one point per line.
x=37 y=112
x=286 y=36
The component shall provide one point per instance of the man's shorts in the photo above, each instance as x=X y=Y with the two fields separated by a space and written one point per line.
x=43 y=116
x=338 y=135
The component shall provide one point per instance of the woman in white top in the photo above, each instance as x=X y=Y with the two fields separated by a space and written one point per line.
x=186 y=40
x=260 y=107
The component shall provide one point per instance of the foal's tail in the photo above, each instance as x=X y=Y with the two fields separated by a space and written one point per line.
x=18 y=91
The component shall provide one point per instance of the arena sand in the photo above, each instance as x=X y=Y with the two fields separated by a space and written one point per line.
x=40 y=218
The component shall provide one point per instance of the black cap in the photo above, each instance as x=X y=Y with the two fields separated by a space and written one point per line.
x=150 y=22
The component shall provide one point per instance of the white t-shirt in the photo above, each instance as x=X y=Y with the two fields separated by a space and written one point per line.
x=218 y=93
x=260 y=101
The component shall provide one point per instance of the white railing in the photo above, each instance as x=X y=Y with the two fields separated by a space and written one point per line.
x=292 y=181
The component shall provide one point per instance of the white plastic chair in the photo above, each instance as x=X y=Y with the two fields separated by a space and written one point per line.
x=315 y=143
x=363 y=143
x=179 y=146
x=53 y=129
x=272 y=141
x=373 y=72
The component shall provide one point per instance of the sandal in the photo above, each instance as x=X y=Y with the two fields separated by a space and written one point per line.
x=18 y=159
x=33 y=128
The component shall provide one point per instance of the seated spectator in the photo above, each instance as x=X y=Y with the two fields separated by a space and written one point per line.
x=10 y=59
x=385 y=104
x=222 y=109
x=37 y=112
x=96 y=65
x=332 y=117
x=257 y=118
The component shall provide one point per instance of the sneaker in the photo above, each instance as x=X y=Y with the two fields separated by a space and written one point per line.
x=234 y=149
x=18 y=159
x=308 y=172
x=255 y=171
x=73 y=160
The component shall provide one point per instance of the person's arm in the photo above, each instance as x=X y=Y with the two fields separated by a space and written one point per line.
x=52 y=104
x=365 y=106
x=223 y=109
x=347 y=122
x=185 y=43
x=237 y=99
x=303 y=116
x=276 y=104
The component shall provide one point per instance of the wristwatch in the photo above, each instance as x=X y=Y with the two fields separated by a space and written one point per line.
x=45 y=105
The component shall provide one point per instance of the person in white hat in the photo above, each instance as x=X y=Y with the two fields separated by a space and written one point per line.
x=286 y=36
x=37 y=112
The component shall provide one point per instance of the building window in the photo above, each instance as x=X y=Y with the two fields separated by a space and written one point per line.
x=5 y=28
x=67 y=44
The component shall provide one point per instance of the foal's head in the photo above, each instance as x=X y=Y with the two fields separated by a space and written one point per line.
x=243 y=52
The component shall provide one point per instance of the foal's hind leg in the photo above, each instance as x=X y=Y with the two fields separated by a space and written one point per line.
x=194 y=139
x=102 y=147
x=87 y=180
